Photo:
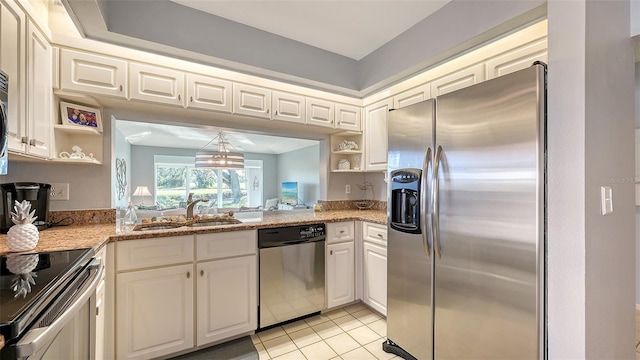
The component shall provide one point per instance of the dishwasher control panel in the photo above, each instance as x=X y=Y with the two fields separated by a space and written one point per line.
x=288 y=235
x=311 y=231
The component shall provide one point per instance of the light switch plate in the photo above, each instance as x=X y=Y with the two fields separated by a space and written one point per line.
x=606 y=196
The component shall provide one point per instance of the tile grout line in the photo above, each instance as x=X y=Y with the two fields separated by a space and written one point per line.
x=324 y=340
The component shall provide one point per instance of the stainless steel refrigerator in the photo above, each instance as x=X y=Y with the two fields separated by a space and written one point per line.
x=466 y=244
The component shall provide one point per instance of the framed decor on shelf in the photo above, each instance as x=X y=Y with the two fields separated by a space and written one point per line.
x=80 y=115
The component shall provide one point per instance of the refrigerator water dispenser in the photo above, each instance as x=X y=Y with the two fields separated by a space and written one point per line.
x=405 y=200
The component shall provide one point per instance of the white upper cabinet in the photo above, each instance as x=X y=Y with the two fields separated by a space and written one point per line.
x=12 y=62
x=251 y=100
x=348 y=117
x=320 y=112
x=457 y=80
x=160 y=85
x=288 y=107
x=208 y=93
x=517 y=59
x=412 y=96
x=375 y=135
x=39 y=93
x=95 y=74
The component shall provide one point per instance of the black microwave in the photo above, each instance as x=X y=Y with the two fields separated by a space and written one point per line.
x=4 y=122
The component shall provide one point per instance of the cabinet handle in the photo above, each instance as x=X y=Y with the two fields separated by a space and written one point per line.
x=267 y=111
x=24 y=140
x=188 y=274
x=191 y=99
x=201 y=272
x=380 y=236
x=341 y=231
x=121 y=87
x=32 y=142
x=330 y=252
x=179 y=98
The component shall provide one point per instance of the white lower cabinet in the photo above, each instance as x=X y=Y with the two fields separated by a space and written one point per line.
x=340 y=274
x=375 y=276
x=154 y=312
x=168 y=301
x=227 y=298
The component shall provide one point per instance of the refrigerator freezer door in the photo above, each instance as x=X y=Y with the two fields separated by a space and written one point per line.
x=488 y=281
x=409 y=274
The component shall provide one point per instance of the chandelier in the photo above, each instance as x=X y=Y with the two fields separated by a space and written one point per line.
x=223 y=156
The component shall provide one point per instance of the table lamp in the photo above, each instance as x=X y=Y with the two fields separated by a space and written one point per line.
x=142 y=191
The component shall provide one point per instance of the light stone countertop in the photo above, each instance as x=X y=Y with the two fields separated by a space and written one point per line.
x=96 y=236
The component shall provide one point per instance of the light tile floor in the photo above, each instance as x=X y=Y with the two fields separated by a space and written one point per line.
x=351 y=333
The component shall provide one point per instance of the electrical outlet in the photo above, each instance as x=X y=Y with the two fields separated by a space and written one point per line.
x=59 y=191
x=347 y=189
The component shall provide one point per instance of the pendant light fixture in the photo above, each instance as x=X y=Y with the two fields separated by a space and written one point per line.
x=220 y=155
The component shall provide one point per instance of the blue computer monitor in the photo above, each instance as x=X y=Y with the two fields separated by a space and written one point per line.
x=290 y=192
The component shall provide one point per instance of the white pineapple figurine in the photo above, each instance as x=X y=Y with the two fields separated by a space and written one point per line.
x=23 y=235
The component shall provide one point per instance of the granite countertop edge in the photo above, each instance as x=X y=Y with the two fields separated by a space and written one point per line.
x=97 y=236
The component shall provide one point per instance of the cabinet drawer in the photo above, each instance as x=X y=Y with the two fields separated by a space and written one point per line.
x=226 y=244
x=374 y=233
x=137 y=254
x=339 y=232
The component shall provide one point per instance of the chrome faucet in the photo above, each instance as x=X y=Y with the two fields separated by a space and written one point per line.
x=191 y=203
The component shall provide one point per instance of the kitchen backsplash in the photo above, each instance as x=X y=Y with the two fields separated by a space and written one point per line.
x=83 y=217
x=351 y=204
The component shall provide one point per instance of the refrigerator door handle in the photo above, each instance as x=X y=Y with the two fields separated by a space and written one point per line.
x=423 y=201
x=435 y=204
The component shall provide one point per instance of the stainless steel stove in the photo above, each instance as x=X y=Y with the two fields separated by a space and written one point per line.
x=44 y=295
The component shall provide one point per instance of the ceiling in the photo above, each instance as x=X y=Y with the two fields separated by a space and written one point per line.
x=185 y=137
x=350 y=28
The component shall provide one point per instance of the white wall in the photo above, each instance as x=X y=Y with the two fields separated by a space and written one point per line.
x=301 y=165
x=591 y=275
x=89 y=185
x=122 y=150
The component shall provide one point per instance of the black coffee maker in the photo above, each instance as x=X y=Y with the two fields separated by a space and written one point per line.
x=37 y=194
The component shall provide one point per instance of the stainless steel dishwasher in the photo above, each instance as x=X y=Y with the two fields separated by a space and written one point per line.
x=291 y=273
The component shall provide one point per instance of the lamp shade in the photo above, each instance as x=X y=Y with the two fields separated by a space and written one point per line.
x=141 y=191
x=222 y=156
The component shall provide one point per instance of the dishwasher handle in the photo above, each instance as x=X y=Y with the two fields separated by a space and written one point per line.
x=278 y=243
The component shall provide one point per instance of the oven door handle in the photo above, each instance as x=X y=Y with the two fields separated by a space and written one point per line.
x=35 y=339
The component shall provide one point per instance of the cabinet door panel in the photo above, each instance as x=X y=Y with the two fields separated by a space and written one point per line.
x=375 y=277
x=227 y=298
x=410 y=97
x=457 y=80
x=320 y=112
x=156 y=84
x=251 y=100
x=288 y=107
x=208 y=93
x=12 y=62
x=348 y=117
x=375 y=135
x=39 y=93
x=340 y=274
x=517 y=59
x=154 y=312
x=93 y=73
